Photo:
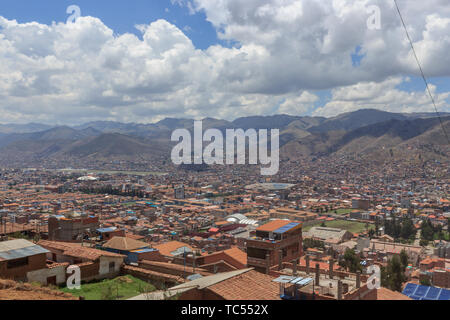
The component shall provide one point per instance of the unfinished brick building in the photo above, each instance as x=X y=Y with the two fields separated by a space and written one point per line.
x=275 y=242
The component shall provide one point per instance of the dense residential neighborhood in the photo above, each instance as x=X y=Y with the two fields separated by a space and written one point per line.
x=184 y=235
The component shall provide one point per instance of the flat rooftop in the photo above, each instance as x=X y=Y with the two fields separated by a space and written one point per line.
x=327 y=286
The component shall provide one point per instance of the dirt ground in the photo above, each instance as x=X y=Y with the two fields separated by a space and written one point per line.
x=11 y=290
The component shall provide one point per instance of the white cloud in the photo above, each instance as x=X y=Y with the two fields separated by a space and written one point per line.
x=383 y=96
x=287 y=50
x=298 y=104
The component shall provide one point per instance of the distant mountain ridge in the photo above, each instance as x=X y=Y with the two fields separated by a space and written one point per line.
x=360 y=132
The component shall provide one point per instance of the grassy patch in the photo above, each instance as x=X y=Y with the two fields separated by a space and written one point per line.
x=352 y=226
x=340 y=211
x=120 y=288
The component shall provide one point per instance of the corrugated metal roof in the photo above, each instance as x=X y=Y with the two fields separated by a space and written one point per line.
x=287 y=227
x=16 y=249
x=15 y=244
x=103 y=230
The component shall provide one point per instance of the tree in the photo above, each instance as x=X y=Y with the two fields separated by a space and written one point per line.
x=408 y=231
x=312 y=243
x=427 y=230
x=395 y=274
x=425 y=281
x=404 y=258
x=377 y=226
x=351 y=261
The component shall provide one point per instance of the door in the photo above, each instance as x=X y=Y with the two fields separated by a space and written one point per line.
x=51 y=281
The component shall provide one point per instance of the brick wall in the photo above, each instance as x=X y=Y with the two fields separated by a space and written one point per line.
x=35 y=262
x=89 y=270
x=441 y=278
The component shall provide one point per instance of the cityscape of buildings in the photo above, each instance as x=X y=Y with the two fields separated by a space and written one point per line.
x=256 y=154
x=312 y=233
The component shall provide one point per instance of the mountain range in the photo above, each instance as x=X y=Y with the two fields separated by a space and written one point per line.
x=364 y=132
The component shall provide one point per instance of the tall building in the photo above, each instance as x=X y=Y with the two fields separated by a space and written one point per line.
x=71 y=228
x=275 y=242
x=179 y=192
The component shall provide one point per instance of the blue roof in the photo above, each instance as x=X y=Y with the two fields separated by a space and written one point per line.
x=145 y=250
x=419 y=292
x=194 y=277
x=287 y=227
x=102 y=230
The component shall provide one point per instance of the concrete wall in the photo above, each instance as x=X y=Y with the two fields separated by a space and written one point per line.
x=104 y=266
x=42 y=275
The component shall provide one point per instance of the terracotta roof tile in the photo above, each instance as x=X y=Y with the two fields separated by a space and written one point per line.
x=250 y=285
x=273 y=225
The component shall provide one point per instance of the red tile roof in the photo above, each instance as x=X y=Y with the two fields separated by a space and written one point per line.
x=251 y=285
x=273 y=225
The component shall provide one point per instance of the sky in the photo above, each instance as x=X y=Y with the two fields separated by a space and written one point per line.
x=145 y=60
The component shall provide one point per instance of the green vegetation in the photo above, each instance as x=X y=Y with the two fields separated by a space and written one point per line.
x=312 y=243
x=120 y=288
x=393 y=276
x=397 y=229
x=430 y=232
x=404 y=258
x=343 y=211
x=330 y=209
x=425 y=281
x=351 y=261
x=352 y=226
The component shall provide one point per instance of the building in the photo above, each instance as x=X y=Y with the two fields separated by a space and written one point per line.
x=18 y=257
x=323 y=282
x=179 y=192
x=275 y=242
x=72 y=228
x=245 y=284
x=106 y=234
x=442 y=250
x=174 y=249
x=134 y=250
x=360 y=204
x=94 y=264
x=234 y=258
x=325 y=234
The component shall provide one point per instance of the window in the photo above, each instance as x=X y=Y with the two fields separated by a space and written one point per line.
x=112 y=266
x=256 y=253
x=17 y=263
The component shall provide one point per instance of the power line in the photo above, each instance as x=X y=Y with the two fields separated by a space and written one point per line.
x=422 y=73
